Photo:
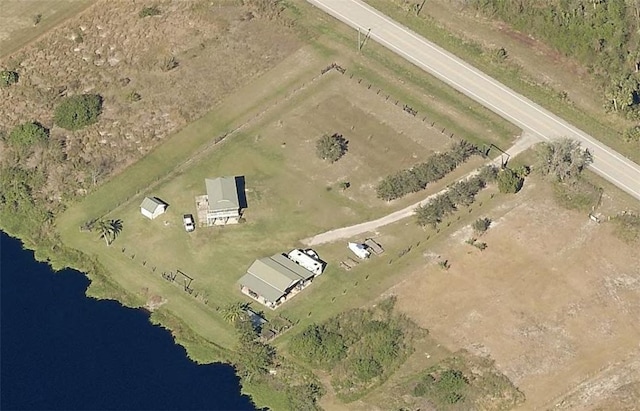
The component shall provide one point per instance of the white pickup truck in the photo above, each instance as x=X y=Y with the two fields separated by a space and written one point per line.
x=189 y=224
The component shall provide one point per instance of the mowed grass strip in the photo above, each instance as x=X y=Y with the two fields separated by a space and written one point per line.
x=17 y=20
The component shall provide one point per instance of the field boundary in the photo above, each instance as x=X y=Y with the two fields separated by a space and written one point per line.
x=199 y=153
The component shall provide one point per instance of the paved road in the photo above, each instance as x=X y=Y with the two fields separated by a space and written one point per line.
x=521 y=111
x=523 y=143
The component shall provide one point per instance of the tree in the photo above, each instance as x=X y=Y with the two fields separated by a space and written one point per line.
x=481 y=225
x=8 y=77
x=76 y=112
x=509 y=182
x=428 y=215
x=332 y=147
x=28 y=134
x=632 y=134
x=304 y=397
x=488 y=174
x=234 y=312
x=622 y=93
x=108 y=229
x=564 y=159
x=254 y=358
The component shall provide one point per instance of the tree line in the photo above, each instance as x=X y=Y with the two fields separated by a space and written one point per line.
x=417 y=177
x=461 y=193
x=254 y=359
x=603 y=35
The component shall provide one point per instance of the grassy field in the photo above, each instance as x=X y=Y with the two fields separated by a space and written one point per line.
x=17 y=20
x=291 y=195
x=266 y=132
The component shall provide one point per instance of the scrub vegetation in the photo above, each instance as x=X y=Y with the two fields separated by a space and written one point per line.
x=359 y=348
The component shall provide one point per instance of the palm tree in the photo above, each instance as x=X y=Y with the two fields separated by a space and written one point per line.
x=234 y=312
x=116 y=228
x=108 y=229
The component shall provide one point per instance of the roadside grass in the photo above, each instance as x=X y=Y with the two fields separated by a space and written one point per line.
x=580 y=195
x=432 y=98
x=512 y=76
x=17 y=20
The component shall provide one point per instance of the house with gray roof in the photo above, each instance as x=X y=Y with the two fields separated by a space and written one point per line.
x=220 y=205
x=273 y=280
x=152 y=207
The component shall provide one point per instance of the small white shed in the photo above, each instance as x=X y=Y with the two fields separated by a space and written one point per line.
x=360 y=250
x=152 y=207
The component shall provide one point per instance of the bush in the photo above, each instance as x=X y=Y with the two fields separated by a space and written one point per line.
x=318 y=345
x=149 y=11
x=78 y=111
x=8 y=78
x=628 y=227
x=366 y=368
x=332 y=147
x=133 y=96
x=509 y=182
x=445 y=389
x=632 y=134
x=481 y=225
x=28 y=134
x=168 y=63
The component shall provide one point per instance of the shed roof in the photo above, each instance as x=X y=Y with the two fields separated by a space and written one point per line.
x=150 y=204
x=271 y=277
x=222 y=193
x=256 y=285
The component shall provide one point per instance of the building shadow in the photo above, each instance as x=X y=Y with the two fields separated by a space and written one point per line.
x=242 y=195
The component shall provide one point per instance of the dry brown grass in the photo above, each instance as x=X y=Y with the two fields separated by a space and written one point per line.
x=554 y=300
x=111 y=51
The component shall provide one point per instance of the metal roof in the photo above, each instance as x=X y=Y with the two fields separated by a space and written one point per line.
x=222 y=193
x=150 y=204
x=271 y=277
x=256 y=285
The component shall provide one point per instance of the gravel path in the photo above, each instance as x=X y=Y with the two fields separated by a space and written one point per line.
x=524 y=142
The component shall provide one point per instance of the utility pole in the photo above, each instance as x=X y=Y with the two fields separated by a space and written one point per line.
x=361 y=42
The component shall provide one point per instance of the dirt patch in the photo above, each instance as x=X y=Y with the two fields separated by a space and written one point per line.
x=554 y=299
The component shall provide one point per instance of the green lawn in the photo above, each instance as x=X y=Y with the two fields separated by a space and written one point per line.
x=271 y=127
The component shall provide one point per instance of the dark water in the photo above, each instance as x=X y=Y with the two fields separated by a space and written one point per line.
x=63 y=351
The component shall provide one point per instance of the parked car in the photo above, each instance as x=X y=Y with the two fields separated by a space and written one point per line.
x=189 y=224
